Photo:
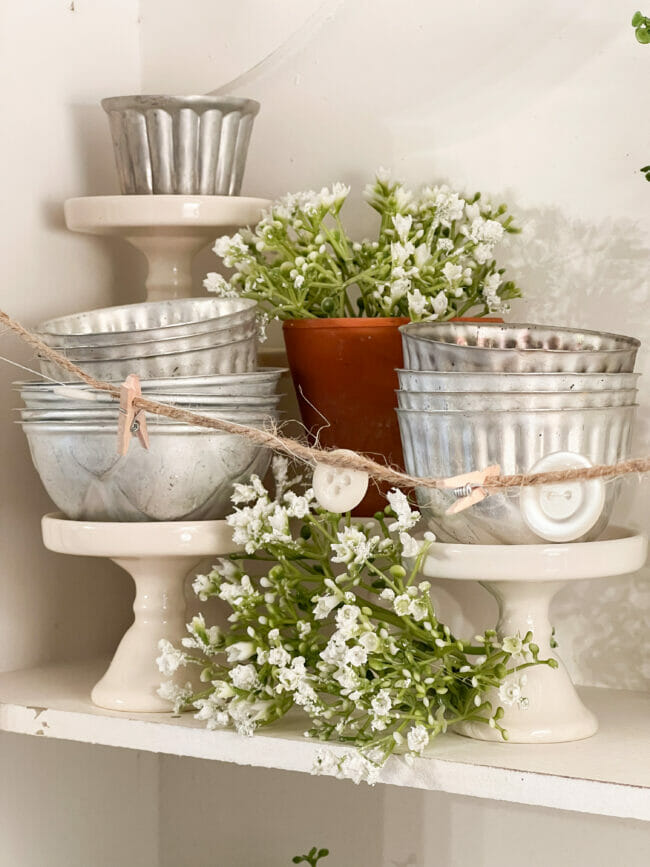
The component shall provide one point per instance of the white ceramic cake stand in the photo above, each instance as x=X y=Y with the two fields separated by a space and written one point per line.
x=158 y=556
x=524 y=579
x=169 y=230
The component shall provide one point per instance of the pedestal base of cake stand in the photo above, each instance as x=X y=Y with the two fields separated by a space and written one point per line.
x=524 y=579
x=158 y=556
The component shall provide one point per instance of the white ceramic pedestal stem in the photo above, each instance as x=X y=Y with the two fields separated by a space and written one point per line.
x=553 y=710
x=169 y=260
x=524 y=579
x=158 y=556
x=132 y=679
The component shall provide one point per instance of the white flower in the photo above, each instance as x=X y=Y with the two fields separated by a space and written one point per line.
x=387 y=593
x=369 y=641
x=512 y=644
x=417 y=738
x=325 y=764
x=445 y=244
x=440 y=303
x=356 y=655
x=250 y=492
x=482 y=253
x=240 y=651
x=298 y=507
x=410 y=546
x=510 y=692
x=401 y=252
x=418 y=609
x=402 y=226
x=353 y=547
x=452 y=272
x=405 y=517
x=417 y=303
x=177 y=695
x=217 y=284
x=422 y=255
x=170 y=659
x=381 y=704
x=488 y=231
x=347 y=620
x=401 y=605
x=244 y=676
x=324 y=606
x=279 y=657
x=203 y=586
x=222 y=689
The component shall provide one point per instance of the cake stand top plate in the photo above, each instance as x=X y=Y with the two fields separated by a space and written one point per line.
x=119 y=215
x=140 y=539
x=619 y=552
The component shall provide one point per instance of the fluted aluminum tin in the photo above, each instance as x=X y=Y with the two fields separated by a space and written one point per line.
x=147 y=321
x=188 y=473
x=254 y=383
x=445 y=444
x=198 y=402
x=236 y=357
x=515 y=348
x=457 y=381
x=190 y=145
x=89 y=413
x=168 y=346
x=467 y=401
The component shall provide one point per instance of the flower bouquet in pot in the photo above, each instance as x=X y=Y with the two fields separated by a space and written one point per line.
x=342 y=301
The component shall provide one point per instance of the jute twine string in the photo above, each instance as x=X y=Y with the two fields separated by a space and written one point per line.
x=295 y=449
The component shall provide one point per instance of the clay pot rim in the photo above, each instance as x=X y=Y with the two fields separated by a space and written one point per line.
x=347 y=322
x=368 y=321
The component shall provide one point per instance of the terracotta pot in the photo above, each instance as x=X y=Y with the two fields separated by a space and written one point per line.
x=344 y=374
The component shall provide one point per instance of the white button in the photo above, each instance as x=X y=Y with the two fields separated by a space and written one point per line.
x=337 y=489
x=568 y=510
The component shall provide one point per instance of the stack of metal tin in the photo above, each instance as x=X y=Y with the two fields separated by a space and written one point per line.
x=196 y=354
x=527 y=398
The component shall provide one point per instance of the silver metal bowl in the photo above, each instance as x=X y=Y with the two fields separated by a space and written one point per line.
x=456 y=381
x=199 y=402
x=515 y=348
x=147 y=321
x=444 y=444
x=256 y=382
x=231 y=358
x=191 y=145
x=187 y=474
x=476 y=401
x=167 y=346
x=237 y=411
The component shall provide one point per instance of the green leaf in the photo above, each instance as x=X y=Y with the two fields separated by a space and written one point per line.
x=643 y=35
x=637 y=18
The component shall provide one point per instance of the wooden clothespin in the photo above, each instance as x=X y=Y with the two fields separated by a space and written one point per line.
x=467 y=487
x=132 y=420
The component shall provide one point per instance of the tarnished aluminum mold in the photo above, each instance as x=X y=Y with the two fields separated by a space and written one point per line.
x=236 y=357
x=146 y=321
x=515 y=348
x=446 y=444
x=186 y=145
x=456 y=381
x=468 y=401
x=187 y=473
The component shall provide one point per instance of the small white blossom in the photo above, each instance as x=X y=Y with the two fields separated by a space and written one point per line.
x=405 y=517
x=324 y=606
x=240 y=651
x=417 y=738
x=244 y=676
x=353 y=546
x=512 y=644
x=170 y=659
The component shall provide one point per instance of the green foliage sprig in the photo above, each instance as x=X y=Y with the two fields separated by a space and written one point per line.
x=341 y=626
x=433 y=256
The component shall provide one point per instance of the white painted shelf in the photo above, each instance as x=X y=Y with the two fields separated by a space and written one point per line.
x=608 y=774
